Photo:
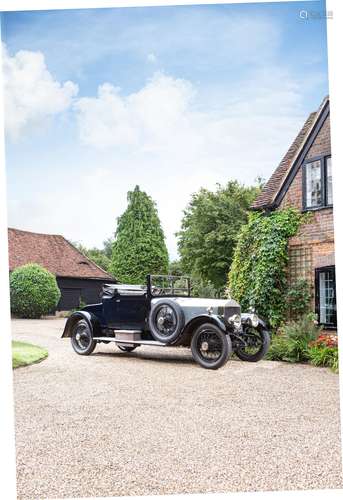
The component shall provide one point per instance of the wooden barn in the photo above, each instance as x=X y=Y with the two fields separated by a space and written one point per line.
x=79 y=278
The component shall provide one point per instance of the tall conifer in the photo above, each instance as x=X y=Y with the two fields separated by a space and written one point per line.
x=139 y=248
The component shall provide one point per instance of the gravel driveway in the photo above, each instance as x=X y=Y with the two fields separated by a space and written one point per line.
x=153 y=422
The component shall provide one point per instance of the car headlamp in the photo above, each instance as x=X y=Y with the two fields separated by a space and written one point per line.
x=236 y=320
x=254 y=320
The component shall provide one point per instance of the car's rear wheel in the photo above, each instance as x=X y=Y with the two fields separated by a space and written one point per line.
x=166 y=321
x=127 y=348
x=256 y=344
x=82 y=338
x=211 y=347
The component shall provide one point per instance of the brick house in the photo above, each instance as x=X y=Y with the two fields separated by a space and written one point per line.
x=78 y=277
x=303 y=180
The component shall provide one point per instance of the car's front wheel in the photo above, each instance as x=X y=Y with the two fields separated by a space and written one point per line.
x=82 y=338
x=255 y=346
x=210 y=346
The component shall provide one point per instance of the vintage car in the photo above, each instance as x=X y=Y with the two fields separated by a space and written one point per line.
x=163 y=313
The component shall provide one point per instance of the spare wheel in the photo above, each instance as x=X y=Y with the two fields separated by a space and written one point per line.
x=166 y=320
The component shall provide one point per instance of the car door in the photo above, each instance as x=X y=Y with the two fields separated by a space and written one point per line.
x=130 y=311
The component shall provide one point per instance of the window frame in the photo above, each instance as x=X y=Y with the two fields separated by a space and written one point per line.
x=318 y=270
x=323 y=173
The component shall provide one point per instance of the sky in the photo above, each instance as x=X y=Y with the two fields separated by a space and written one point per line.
x=170 y=98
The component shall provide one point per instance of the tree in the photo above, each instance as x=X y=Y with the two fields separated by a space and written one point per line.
x=175 y=268
x=98 y=256
x=108 y=247
x=139 y=247
x=34 y=291
x=210 y=228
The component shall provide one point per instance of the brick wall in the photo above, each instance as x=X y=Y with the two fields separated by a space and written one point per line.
x=321 y=146
x=317 y=237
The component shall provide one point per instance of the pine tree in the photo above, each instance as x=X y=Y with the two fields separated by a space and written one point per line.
x=139 y=247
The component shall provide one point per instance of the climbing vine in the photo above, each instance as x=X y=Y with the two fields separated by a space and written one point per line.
x=257 y=277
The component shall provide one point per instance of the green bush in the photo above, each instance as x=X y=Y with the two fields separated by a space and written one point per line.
x=34 y=291
x=292 y=343
x=324 y=356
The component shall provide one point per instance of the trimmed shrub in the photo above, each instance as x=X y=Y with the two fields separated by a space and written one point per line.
x=34 y=291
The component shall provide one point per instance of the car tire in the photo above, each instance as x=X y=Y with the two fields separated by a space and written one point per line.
x=211 y=347
x=82 y=338
x=166 y=321
x=127 y=348
x=262 y=350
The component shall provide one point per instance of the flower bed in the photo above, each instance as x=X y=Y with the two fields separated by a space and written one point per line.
x=303 y=341
x=324 y=351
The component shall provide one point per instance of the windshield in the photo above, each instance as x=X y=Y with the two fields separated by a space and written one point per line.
x=170 y=285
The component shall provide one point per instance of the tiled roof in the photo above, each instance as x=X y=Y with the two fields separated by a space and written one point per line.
x=53 y=252
x=276 y=181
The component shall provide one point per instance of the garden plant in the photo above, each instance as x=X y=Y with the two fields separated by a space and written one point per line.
x=303 y=341
x=34 y=291
x=258 y=275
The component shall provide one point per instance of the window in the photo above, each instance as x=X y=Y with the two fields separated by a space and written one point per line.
x=317 y=176
x=314 y=184
x=326 y=296
x=328 y=181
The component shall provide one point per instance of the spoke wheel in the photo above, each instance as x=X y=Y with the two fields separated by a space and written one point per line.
x=82 y=338
x=211 y=347
x=256 y=344
x=166 y=320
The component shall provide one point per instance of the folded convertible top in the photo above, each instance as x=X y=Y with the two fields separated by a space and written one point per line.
x=109 y=290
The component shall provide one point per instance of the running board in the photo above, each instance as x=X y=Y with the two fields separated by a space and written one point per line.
x=139 y=342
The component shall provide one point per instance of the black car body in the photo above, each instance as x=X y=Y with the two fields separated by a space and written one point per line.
x=163 y=313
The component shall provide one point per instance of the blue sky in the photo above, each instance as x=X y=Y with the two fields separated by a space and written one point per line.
x=171 y=98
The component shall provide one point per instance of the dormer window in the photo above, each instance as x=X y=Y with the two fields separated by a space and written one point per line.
x=317 y=183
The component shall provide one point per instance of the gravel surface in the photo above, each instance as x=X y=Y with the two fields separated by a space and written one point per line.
x=153 y=422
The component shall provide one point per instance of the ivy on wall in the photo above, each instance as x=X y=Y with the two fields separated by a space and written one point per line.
x=258 y=275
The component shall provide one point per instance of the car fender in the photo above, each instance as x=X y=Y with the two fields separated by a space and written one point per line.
x=194 y=323
x=91 y=319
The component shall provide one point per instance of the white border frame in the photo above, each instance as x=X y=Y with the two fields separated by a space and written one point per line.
x=335 y=41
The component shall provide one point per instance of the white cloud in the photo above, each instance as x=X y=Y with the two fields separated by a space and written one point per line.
x=171 y=137
x=31 y=93
x=142 y=119
x=170 y=141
